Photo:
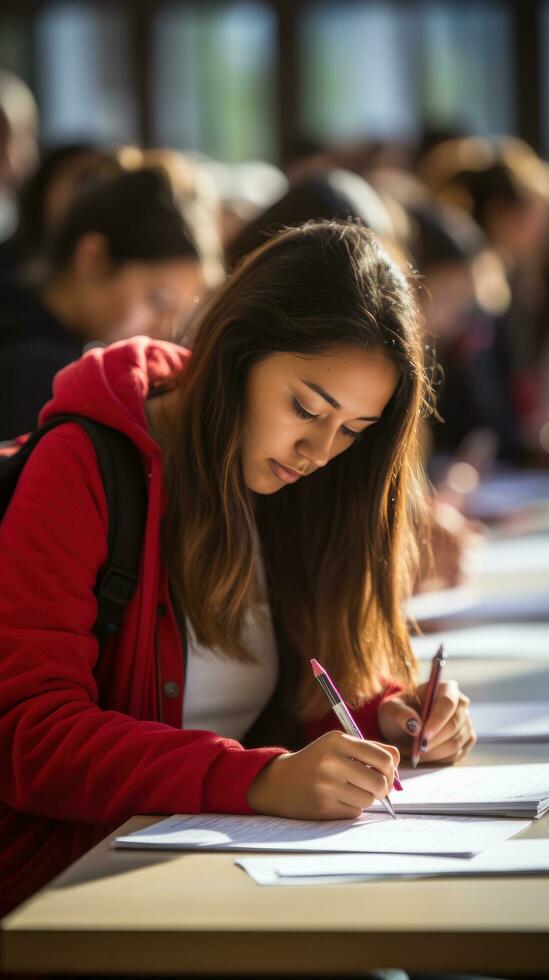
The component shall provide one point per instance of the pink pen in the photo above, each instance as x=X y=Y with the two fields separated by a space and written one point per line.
x=343 y=714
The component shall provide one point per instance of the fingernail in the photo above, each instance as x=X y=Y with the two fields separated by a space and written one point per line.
x=398 y=785
x=412 y=726
x=424 y=744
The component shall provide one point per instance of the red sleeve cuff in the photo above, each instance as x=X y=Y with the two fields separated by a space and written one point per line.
x=225 y=788
x=371 y=723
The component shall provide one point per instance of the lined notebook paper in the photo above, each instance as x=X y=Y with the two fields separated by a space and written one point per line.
x=370 y=832
x=513 y=857
x=519 y=790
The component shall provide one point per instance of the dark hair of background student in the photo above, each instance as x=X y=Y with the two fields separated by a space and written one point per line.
x=333 y=194
x=63 y=172
x=136 y=213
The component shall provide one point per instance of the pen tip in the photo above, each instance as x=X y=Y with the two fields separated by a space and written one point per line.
x=389 y=807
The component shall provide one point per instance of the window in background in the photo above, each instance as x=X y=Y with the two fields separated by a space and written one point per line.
x=83 y=74
x=386 y=69
x=15 y=47
x=358 y=70
x=467 y=67
x=214 y=80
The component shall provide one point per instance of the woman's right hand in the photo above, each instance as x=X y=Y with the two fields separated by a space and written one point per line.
x=335 y=777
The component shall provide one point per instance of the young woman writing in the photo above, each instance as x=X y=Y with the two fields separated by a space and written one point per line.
x=283 y=493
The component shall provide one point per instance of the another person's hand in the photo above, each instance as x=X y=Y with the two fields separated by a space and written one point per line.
x=335 y=777
x=448 y=733
x=456 y=544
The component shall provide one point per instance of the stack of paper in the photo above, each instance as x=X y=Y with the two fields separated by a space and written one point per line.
x=505 y=791
x=493 y=642
x=372 y=832
x=511 y=721
x=515 y=554
x=509 y=556
x=464 y=605
x=503 y=493
x=514 y=857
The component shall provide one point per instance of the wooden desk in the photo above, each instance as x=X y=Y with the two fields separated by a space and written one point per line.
x=161 y=913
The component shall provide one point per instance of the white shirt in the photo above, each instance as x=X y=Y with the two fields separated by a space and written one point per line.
x=224 y=695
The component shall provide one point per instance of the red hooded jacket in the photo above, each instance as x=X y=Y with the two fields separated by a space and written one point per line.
x=85 y=744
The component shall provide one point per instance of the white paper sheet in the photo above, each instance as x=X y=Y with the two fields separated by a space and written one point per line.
x=511 y=721
x=527 y=553
x=512 y=857
x=475 y=790
x=464 y=605
x=446 y=602
x=504 y=492
x=494 y=642
x=371 y=832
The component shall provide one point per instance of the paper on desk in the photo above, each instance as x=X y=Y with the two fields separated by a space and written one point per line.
x=371 y=832
x=511 y=721
x=515 y=790
x=527 y=641
x=512 y=857
x=443 y=602
x=509 y=555
x=464 y=605
x=505 y=492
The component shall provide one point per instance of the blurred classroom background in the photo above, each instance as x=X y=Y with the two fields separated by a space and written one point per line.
x=146 y=146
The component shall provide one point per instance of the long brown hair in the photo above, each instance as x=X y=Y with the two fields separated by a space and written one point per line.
x=338 y=545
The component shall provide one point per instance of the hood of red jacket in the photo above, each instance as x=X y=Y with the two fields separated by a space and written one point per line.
x=110 y=385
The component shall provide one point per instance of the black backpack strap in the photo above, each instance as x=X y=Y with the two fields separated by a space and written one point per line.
x=125 y=489
x=13 y=465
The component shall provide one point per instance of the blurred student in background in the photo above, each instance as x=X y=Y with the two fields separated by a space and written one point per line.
x=122 y=262
x=332 y=194
x=18 y=146
x=244 y=190
x=504 y=186
x=195 y=193
x=43 y=199
x=453 y=261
